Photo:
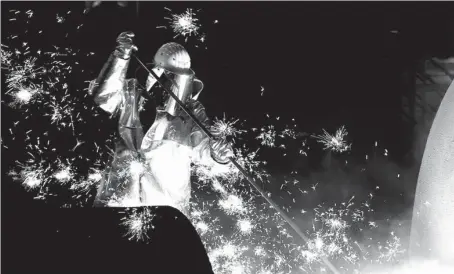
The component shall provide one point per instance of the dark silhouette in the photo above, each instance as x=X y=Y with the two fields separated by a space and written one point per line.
x=91 y=240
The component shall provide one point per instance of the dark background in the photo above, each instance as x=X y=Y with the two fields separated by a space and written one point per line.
x=324 y=64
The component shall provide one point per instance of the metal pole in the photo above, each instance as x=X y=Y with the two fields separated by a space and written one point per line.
x=240 y=168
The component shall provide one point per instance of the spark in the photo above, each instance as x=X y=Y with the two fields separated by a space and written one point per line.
x=334 y=143
x=95 y=176
x=132 y=167
x=6 y=55
x=267 y=136
x=245 y=226
x=77 y=144
x=59 y=113
x=21 y=73
x=83 y=189
x=60 y=19
x=232 y=204
x=226 y=128
x=32 y=177
x=184 y=24
x=23 y=96
x=288 y=132
x=64 y=174
x=202 y=38
x=314 y=186
x=136 y=168
x=32 y=180
x=393 y=249
x=202 y=227
x=138 y=222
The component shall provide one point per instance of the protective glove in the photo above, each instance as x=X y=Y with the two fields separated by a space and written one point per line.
x=125 y=45
x=221 y=150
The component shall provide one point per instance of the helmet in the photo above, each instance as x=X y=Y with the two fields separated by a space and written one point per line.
x=173 y=57
x=174 y=62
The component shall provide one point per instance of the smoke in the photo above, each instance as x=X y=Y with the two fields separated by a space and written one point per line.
x=381 y=190
x=413 y=267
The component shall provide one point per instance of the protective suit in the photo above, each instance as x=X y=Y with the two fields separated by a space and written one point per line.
x=154 y=168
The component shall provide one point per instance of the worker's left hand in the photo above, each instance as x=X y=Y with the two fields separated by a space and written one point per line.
x=221 y=150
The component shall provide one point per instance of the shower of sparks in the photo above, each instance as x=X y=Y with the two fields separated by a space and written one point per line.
x=267 y=136
x=23 y=96
x=392 y=250
x=136 y=168
x=21 y=74
x=32 y=178
x=83 y=190
x=95 y=176
x=334 y=143
x=245 y=226
x=64 y=175
x=202 y=227
x=184 y=24
x=5 y=57
x=225 y=128
x=132 y=168
x=58 y=112
x=232 y=204
x=241 y=231
x=138 y=223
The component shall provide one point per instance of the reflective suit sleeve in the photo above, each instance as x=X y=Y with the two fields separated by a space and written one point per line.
x=107 y=88
x=203 y=151
x=199 y=140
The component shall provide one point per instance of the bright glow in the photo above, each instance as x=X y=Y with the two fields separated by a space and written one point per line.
x=139 y=223
x=64 y=175
x=240 y=230
x=245 y=226
x=184 y=24
x=334 y=143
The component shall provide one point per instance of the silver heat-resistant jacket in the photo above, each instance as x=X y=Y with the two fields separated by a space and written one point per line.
x=150 y=169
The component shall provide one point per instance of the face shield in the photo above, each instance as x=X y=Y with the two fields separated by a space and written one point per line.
x=172 y=65
x=184 y=86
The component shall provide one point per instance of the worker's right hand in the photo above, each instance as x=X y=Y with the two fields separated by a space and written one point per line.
x=125 y=45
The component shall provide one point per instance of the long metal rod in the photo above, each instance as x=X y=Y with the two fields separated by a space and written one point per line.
x=240 y=168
